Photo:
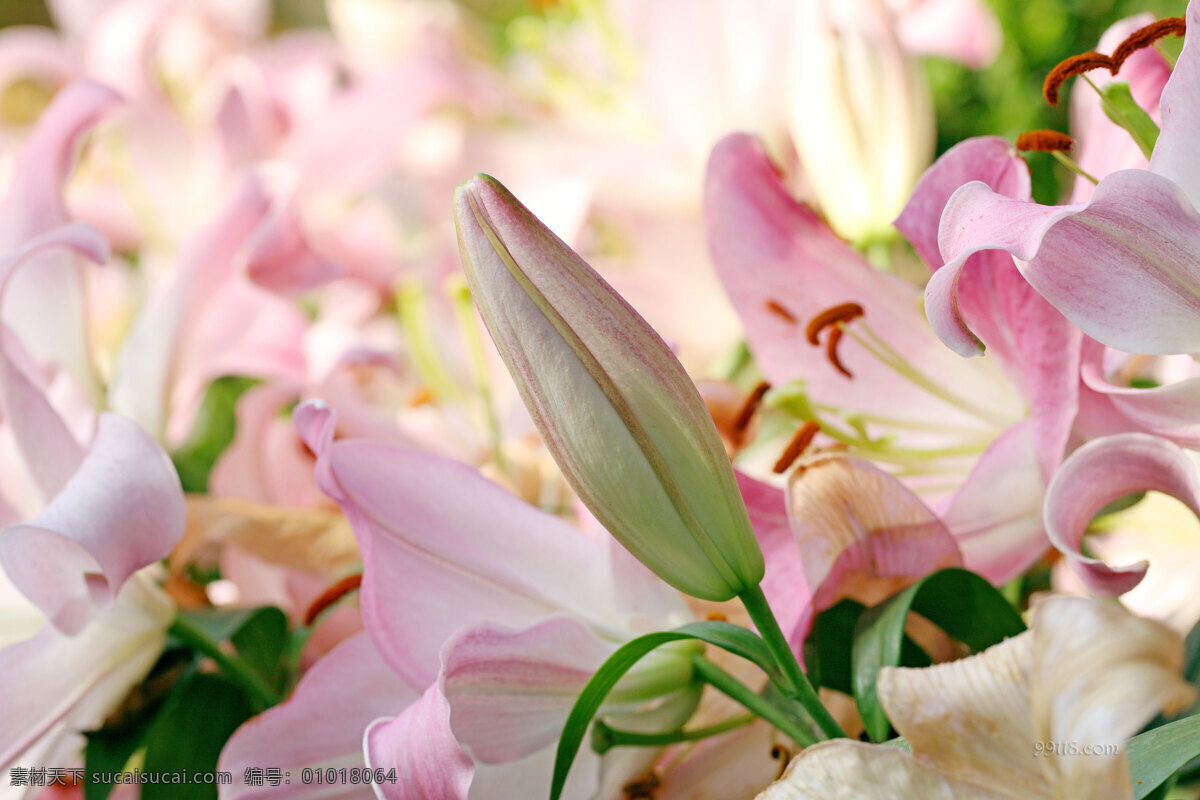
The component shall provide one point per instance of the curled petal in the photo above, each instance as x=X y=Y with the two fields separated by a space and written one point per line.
x=860 y=532
x=122 y=510
x=1100 y=472
x=1123 y=267
x=321 y=725
x=44 y=304
x=1098 y=675
x=1171 y=411
x=418 y=744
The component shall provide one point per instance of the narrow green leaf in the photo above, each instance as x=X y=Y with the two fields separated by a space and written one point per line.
x=1155 y=755
x=829 y=647
x=961 y=603
x=1121 y=108
x=732 y=638
x=187 y=738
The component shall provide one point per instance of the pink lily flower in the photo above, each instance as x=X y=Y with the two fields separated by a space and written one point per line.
x=494 y=634
x=1095 y=260
x=86 y=514
x=951 y=430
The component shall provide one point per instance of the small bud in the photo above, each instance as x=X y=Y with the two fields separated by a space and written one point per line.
x=615 y=408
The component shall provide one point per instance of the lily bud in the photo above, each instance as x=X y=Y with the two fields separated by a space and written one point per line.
x=615 y=408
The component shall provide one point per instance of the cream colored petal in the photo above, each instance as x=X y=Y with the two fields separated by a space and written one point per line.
x=845 y=770
x=1098 y=675
x=970 y=719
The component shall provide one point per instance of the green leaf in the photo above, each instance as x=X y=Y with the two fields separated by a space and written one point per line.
x=216 y=423
x=259 y=634
x=829 y=647
x=109 y=749
x=1121 y=108
x=961 y=603
x=188 y=736
x=261 y=642
x=1155 y=755
x=734 y=639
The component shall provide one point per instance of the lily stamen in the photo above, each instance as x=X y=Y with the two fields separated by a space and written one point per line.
x=331 y=595
x=1145 y=37
x=781 y=311
x=1045 y=141
x=843 y=312
x=748 y=409
x=796 y=447
x=1069 y=68
x=783 y=756
x=833 y=318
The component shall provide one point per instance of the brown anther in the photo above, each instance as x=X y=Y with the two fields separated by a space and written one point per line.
x=831 y=352
x=831 y=316
x=1045 y=141
x=796 y=447
x=753 y=401
x=1145 y=37
x=780 y=311
x=783 y=756
x=330 y=596
x=716 y=616
x=1068 y=68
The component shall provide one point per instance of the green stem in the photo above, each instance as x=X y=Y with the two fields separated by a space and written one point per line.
x=1070 y=164
x=237 y=670
x=726 y=684
x=604 y=737
x=800 y=689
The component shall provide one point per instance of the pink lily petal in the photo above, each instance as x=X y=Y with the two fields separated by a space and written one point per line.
x=771 y=252
x=71 y=683
x=418 y=744
x=510 y=690
x=785 y=585
x=321 y=725
x=45 y=303
x=266 y=462
x=861 y=533
x=1102 y=471
x=996 y=516
x=1177 y=153
x=1094 y=261
x=48 y=448
x=989 y=159
x=121 y=510
x=1038 y=348
x=1101 y=146
x=280 y=258
x=428 y=572
x=1171 y=411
